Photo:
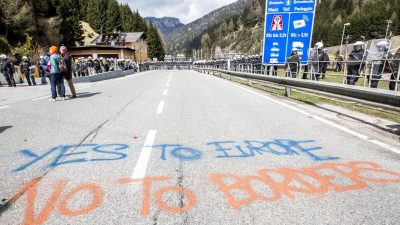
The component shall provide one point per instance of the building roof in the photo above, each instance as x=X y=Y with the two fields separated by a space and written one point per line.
x=134 y=37
x=101 y=47
x=129 y=37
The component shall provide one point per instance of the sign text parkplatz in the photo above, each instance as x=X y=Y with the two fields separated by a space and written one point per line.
x=288 y=25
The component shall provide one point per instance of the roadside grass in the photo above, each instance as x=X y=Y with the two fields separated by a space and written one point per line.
x=313 y=99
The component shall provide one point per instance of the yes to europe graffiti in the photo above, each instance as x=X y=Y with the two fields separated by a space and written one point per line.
x=78 y=154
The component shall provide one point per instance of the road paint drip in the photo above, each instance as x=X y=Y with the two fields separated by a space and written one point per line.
x=318 y=181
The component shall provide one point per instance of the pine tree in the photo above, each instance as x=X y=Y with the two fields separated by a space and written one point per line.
x=113 y=21
x=127 y=23
x=96 y=14
x=70 y=27
x=139 y=23
x=156 y=48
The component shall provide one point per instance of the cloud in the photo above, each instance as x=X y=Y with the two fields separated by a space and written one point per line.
x=186 y=10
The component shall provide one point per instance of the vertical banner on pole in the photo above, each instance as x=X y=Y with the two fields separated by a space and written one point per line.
x=288 y=24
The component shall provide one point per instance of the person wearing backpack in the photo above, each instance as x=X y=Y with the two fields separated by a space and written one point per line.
x=68 y=74
x=56 y=66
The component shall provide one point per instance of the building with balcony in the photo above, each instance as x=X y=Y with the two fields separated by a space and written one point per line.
x=117 y=45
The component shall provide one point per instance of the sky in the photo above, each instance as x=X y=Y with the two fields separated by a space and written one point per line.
x=185 y=10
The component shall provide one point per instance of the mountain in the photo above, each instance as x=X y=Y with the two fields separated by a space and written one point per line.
x=180 y=41
x=165 y=25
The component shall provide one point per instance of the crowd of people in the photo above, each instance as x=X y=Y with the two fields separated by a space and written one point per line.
x=358 y=64
x=57 y=66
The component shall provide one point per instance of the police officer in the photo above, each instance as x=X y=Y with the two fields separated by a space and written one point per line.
x=395 y=70
x=339 y=61
x=355 y=63
x=90 y=66
x=315 y=61
x=97 y=66
x=7 y=70
x=293 y=64
x=25 y=70
x=323 y=63
x=379 y=66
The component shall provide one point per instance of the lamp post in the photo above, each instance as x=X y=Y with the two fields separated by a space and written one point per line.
x=363 y=38
x=389 y=22
x=341 y=43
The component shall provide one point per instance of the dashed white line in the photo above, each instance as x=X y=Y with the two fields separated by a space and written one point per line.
x=333 y=124
x=141 y=165
x=165 y=92
x=4 y=107
x=160 y=107
x=37 y=99
x=168 y=84
x=83 y=87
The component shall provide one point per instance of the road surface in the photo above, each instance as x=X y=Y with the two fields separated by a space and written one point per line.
x=180 y=147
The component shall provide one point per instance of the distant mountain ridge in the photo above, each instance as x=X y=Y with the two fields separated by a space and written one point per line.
x=180 y=40
x=165 y=25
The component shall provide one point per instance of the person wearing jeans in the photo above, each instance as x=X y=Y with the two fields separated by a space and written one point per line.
x=56 y=77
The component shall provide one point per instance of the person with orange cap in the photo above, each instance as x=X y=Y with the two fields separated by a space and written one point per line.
x=56 y=78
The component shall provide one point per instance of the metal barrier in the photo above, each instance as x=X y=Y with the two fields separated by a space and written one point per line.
x=364 y=93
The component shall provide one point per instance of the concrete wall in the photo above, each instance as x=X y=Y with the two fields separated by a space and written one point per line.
x=103 y=76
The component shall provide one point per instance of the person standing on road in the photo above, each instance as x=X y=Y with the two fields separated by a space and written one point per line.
x=355 y=63
x=56 y=78
x=7 y=70
x=68 y=74
x=26 y=71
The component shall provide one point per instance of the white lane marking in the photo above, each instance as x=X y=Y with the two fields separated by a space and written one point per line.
x=83 y=87
x=48 y=96
x=165 y=92
x=168 y=84
x=141 y=165
x=36 y=99
x=160 y=107
x=333 y=124
x=4 y=107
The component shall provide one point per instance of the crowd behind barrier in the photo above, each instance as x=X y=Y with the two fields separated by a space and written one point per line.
x=27 y=70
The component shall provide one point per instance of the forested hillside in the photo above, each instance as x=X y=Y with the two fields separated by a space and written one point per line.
x=47 y=22
x=181 y=39
x=244 y=33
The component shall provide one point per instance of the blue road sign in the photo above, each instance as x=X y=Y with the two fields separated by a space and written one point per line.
x=288 y=24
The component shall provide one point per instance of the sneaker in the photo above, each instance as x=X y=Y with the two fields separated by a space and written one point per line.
x=52 y=100
x=63 y=99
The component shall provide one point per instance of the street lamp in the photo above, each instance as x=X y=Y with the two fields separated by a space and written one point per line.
x=363 y=38
x=389 y=22
x=341 y=43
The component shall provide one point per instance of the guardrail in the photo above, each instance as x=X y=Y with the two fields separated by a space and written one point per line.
x=391 y=98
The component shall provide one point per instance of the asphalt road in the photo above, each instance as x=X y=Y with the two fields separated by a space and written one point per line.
x=179 y=147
